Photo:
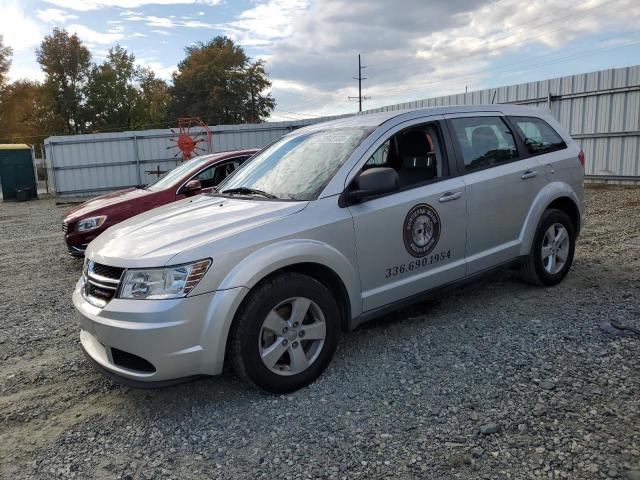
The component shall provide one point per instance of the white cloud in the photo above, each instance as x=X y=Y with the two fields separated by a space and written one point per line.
x=162 y=22
x=161 y=32
x=87 y=5
x=418 y=51
x=31 y=71
x=54 y=15
x=18 y=30
x=267 y=21
x=167 y=22
x=160 y=70
x=92 y=37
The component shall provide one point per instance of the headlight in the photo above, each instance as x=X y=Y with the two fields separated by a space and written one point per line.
x=163 y=283
x=90 y=223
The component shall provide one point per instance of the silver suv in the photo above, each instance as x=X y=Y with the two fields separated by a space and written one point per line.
x=322 y=230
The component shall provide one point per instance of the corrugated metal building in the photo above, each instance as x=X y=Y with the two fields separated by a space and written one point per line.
x=601 y=110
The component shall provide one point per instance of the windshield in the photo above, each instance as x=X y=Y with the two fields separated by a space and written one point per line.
x=172 y=176
x=297 y=167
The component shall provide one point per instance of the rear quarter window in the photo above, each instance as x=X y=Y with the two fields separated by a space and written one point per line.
x=538 y=136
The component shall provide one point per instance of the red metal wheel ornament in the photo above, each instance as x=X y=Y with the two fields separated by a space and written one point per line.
x=188 y=143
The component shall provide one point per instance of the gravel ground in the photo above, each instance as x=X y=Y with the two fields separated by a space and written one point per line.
x=493 y=380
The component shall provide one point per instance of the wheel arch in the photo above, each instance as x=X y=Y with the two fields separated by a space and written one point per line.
x=568 y=206
x=554 y=195
x=309 y=257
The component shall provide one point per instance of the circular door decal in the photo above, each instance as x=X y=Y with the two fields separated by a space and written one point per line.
x=421 y=230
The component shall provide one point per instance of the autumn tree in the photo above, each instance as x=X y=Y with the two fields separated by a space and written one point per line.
x=26 y=113
x=218 y=82
x=66 y=63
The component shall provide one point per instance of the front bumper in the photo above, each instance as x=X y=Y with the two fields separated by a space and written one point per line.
x=158 y=340
x=77 y=241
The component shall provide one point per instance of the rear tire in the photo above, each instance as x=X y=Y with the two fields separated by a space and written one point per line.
x=285 y=333
x=552 y=250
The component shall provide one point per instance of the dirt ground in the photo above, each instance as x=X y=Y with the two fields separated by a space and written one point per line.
x=496 y=379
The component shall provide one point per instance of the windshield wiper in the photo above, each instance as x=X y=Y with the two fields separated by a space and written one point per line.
x=248 y=191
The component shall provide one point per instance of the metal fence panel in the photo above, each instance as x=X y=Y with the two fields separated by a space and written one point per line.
x=600 y=109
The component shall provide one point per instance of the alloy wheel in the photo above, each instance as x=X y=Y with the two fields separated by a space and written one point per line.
x=292 y=336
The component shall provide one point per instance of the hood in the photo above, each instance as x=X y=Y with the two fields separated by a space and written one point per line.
x=152 y=238
x=97 y=205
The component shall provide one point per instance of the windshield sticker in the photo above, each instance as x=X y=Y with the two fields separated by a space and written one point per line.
x=331 y=138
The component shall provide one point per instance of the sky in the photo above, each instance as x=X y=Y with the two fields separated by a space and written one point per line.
x=412 y=49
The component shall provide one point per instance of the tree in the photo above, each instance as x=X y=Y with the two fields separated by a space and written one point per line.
x=219 y=83
x=120 y=95
x=110 y=94
x=5 y=60
x=26 y=113
x=154 y=100
x=66 y=63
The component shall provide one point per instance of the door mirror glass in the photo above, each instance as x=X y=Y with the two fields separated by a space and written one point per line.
x=373 y=182
x=192 y=187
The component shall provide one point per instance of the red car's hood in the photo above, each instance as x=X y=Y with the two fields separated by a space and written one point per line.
x=100 y=205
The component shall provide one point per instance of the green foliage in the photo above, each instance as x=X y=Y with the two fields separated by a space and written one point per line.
x=66 y=63
x=216 y=81
x=219 y=83
x=154 y=99
x=5 y=60
x=120 y=95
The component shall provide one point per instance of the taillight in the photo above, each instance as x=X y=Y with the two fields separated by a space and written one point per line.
x=581 y=158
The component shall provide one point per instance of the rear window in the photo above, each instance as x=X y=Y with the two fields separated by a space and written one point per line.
x=538 y=135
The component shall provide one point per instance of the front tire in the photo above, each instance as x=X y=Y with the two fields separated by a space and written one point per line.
x=285 y=333
x=552 y=250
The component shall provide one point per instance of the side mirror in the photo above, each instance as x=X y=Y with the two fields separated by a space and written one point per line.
x=192 y=187
x=372 y=183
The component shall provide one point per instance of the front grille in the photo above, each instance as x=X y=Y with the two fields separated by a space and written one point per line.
x=106 y=271
x=65 y=227
x=101 y=282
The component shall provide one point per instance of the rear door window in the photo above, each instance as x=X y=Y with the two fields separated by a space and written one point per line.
x=538 y=136
x=484 y=141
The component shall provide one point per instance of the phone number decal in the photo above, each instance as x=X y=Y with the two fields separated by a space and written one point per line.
x=417 y=264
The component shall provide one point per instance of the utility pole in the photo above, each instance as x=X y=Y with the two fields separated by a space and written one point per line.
x=360 y=78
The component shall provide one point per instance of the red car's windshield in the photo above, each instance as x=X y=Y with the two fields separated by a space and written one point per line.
x=173 y=176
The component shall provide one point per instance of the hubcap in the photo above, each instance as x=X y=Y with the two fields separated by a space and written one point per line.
x=292 y=336
x=555 y=248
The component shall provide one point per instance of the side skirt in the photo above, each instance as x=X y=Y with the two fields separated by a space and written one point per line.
x=420 y=297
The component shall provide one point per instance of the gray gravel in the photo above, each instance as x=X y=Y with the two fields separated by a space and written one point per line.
x=493 y=380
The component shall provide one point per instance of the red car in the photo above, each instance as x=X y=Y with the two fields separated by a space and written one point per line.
x=199 y=175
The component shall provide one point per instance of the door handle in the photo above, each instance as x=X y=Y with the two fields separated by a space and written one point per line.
x=529 y=174
x=447 y=197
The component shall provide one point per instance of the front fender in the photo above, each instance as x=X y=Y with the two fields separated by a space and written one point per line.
x=273 y=257
x=548 y=194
